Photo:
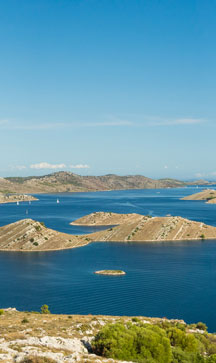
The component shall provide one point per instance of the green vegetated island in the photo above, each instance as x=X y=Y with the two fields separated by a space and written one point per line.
x=69 y=182
x=30 y=235
x=42 y=337
x=209 y=195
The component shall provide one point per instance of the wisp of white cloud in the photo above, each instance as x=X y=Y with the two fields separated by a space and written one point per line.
x=80 y=166
x=179 y=121
x=45 y=165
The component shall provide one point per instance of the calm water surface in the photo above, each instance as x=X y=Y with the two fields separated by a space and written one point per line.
x=176 y=280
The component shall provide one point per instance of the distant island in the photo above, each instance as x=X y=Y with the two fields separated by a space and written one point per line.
x=15 y=198
x=64 y=181
x=30 y=235
x=209 y=195
x=111 y=272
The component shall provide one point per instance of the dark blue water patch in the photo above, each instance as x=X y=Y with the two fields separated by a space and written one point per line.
x=154 y=202
x=172 y=279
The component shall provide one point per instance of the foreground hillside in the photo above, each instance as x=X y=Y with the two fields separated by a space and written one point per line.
x=29 y=235
x=209 y=195
x=31 y=337
x=70 y=182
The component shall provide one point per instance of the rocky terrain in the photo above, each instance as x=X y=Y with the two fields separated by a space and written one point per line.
x=208 y=194
x=106 y=219
x=70 y=182
x=139 y=228
x=14 y=198
x=60 y=338
x=29 y=235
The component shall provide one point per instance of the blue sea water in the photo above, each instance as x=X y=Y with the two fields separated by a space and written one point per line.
x=175 y=280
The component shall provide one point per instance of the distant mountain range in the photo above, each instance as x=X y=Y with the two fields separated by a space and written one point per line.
x=69 y=182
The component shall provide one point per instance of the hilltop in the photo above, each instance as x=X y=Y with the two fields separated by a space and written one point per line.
x=29 y=235
x=208 y=194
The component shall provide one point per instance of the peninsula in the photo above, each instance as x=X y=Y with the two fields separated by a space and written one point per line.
x=15 y=198
x=29 y=235
x=209 y=195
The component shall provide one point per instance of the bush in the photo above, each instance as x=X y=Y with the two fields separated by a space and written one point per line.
x=1 y=311
x=35 y=243
x=45 y=309
x=34 y=359
x=201 y=326
x=179 y=356
x=24 y=321
x=187 y=342
x=144 y=343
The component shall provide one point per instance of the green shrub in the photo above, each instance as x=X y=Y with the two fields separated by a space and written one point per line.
x=24 y=321
x=45 y=309
x=31 y=239
x=1 y=311
x=211 y=359
x=144 y=343
x=35 y=243
x=179 y=356
x=201 y=326
x=178 y=338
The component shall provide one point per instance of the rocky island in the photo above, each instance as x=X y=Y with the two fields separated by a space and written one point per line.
x=30 y=235
x=111 y=272
x=209 y=195
x=15 y=198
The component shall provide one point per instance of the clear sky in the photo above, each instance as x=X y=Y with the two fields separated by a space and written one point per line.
x=108 y=86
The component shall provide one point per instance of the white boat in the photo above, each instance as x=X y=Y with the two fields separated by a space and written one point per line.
x=17 y=203
x=57 y=201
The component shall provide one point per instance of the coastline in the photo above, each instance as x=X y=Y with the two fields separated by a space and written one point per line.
x=120 y=241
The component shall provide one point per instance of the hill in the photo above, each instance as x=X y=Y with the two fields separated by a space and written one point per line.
x=69 y=182
x=139 y=228
x=29 y=235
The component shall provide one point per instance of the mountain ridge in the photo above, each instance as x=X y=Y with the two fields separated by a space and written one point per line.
x=63 y=181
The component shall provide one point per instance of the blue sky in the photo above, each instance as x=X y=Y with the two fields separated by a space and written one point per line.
x=108 y=86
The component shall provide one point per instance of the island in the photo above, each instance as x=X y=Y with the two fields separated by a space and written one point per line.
x=65 y=181
x=30 y=235
x=15 y=198
x=209 y=195
x=111 y=272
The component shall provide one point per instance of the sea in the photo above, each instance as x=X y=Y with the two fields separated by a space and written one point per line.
x=176 y=280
